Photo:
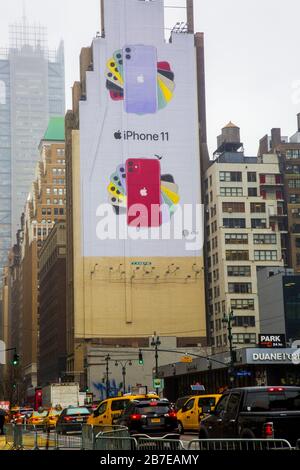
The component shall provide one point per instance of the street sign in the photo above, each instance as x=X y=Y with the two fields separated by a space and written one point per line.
x=158 y=383
x=243 y=373
x=186 y=359
x=271 y=341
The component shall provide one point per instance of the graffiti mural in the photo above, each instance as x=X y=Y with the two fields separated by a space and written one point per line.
x=114 y=389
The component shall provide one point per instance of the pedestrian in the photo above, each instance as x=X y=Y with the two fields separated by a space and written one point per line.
x=2 y=421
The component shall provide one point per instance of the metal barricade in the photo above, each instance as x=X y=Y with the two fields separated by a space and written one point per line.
x=239 y=444
x=113 y=438
x=298 y=445
x=88 y=437
x=9 y=435
x=169 y=442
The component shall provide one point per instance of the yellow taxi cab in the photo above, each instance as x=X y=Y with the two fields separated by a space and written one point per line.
x=51 y=419
x=110 y=409
x=38 y=418
x=194 y=408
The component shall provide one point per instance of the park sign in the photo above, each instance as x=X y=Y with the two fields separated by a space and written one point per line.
x=271 y=340
x=158 y=383
x=197 y=388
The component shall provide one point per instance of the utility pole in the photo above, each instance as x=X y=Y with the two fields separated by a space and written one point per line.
x=155 y=343
x=229 y=319
x=107 y=359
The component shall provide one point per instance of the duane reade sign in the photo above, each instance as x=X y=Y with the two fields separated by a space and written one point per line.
x=279 y=356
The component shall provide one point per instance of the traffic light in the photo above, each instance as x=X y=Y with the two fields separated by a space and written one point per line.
x=16 y=359
x=141 y=359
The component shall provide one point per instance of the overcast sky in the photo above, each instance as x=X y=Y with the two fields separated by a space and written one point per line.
x=252 y=55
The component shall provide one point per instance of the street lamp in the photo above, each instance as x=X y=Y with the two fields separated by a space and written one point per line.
x=156 y=343
x=229 y=319
x=123 y=364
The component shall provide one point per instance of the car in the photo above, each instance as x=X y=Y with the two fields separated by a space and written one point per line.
x=155 y=417
x=51 y=419
x=38 y=418
x=180 y=402
x=110 y=410
x=194 y=409
x=72 y=419
x=255 y=413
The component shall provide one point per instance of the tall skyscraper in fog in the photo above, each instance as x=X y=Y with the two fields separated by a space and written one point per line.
x=32 y=89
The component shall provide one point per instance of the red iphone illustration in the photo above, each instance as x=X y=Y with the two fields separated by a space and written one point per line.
x=143 y=192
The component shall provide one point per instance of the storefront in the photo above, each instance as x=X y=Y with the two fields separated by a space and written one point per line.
x=254 y=367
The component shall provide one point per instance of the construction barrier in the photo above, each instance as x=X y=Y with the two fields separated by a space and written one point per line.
x=239 y=444
x=169 y=442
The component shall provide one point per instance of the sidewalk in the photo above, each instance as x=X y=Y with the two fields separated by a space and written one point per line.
x=3 y=445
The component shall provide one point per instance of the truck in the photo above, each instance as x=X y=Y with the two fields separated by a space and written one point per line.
x=255 y=413
x=61 y=394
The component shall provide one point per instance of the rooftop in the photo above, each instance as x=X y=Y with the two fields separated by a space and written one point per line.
x=56 y=129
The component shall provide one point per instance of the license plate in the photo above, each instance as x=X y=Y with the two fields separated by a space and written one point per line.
x=155 y=420
x=79 y=420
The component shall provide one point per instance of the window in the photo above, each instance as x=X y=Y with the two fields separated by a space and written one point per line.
x=48 y=202
x=49 y=211
x=229 y=176
x=242 y=304
x=221 y=406
x=210 y=180
x=292 y=169
x=233 y=405
x=263 y=401
x=240 y=288
x=244 y=321
x=61 y=211
x=102 y=408
x=297 y=242
x=55 y=191
x=48 y=191
x=258 y=223
x=60 y=152
x=294 y=183
x=236 y=239
x=298 y=259
x=2 y=92
x=292 y=154
x=231 y=192
x=265 y=255
x=236 y=271
x=55 y=211
x=233 y=207
x=252 y=192
x=44 y=211
x=237 y=255
x=264 y=239
x=234 y=223
x=257 y=207
x=244 y=338
x=294 y=198
x=251 y=176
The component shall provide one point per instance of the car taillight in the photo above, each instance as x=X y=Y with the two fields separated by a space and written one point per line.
x=135 y=417
x=275 y=389
x=66 y=418
x=269 y=431
x=172 y=414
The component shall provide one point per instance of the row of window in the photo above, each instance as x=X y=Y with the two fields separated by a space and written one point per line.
x=259 y=255
x=56 y=191
x=255 y=207
x=292 y=154
x=240 y=288
x=59 y=181
x=60 y=202
x=237 y=176
x=56 y=211
x=243 y=238
x=241 y=223
x=58 y=171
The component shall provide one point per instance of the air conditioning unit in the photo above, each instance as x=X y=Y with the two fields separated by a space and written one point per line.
x=230 y=210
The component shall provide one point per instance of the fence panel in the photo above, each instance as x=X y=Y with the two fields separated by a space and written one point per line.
x=239 y=444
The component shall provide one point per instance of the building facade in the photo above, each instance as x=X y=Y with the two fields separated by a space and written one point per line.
x=32 y=89
x=52 y=306
x=45 y=206
x=137 y=293
x=244 y=209
x=288 y=151
x=279 y=302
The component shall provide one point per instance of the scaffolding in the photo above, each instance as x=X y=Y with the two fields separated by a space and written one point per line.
x=22 y=34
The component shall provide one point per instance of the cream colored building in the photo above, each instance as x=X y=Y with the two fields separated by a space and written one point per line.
x=244 y=214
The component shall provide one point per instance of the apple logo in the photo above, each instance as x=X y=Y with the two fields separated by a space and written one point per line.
x=140 y=79
x=118 y=135
x=144 y=192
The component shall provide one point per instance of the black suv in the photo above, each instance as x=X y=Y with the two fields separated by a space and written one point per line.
x=255 y=412
x=149 y=417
